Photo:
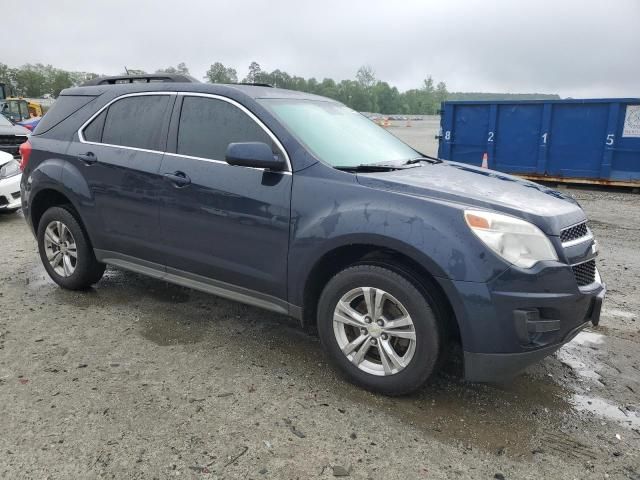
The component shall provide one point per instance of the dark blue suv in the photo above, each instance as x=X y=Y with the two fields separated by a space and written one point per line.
x=297 y=204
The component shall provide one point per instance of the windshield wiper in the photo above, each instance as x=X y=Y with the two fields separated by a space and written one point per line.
x=368 y=167
x=423 y=158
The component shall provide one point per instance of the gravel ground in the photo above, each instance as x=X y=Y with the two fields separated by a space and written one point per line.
x=140 y=379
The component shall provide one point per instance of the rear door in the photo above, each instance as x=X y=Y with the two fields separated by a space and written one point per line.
x=226 y=223
x=119 y=154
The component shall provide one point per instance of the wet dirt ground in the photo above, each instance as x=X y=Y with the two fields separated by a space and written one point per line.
x=140 y=379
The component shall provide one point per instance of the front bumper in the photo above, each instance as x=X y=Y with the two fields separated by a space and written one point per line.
x=492 y=367
x=517 y=319
x=10 y=193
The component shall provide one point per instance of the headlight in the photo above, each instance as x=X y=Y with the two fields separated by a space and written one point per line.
x=10 y=169
x=515 y=240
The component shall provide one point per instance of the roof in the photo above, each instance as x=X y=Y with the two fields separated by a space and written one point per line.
x=252 y=91
x=143 y=78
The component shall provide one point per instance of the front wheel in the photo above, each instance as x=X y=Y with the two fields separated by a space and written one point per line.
x=379 y=329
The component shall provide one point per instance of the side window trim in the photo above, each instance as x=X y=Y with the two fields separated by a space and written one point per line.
x=168 y=142
x=112 y=101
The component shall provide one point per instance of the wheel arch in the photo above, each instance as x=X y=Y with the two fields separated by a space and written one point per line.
x=343 y=256
x=43 y=200
x=51 y=196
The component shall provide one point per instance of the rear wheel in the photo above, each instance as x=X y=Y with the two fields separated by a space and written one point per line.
x=379 y=329
x=65 y=250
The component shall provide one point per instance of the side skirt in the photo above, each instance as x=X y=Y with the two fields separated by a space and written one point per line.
x=198 y=282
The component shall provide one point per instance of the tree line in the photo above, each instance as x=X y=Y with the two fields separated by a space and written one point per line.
x=364 y=93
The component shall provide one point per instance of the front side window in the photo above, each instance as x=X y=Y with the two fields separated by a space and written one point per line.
x=131 y=122
x=208 y=126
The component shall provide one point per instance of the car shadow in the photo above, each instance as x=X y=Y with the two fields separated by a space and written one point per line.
x=520 y=418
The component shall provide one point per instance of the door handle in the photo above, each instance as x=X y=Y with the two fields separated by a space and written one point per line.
x=88 y=158
x=179 y=179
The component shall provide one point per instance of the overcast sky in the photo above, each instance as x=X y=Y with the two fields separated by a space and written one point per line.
x=577 y=48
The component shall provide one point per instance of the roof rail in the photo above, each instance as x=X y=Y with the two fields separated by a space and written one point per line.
x=145 y=78
x=253 y=84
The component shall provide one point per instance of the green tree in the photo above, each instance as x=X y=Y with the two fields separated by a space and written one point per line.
x=387 y=99
x=181 y=69
x=78 y=78
x=254 y=73
x=30 y=81
x=366 y=77
x=328 y=88
x=441 y=94
x=7 y=76
x=58 y=81
x=218 y=73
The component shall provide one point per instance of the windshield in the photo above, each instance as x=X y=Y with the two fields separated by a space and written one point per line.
x=338 y=135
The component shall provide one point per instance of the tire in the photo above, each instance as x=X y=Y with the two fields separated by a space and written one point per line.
x=78 y=273
x=414 y=361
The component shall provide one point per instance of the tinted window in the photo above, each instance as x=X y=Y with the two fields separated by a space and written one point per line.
x=208 y=126
x=136 y=122
x=65 y=106
x=93 y=131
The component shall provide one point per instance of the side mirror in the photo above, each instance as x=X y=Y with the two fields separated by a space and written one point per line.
x=253 y=154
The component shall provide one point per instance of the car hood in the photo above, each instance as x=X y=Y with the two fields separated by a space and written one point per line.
x=13 y=130
x=487 y=189
x=5 y=158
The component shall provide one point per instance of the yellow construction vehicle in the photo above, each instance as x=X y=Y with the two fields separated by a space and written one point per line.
x=18 y=109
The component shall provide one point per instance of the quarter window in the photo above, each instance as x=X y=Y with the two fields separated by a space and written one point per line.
x=131 y=122
x=93 y=131
x=208 y=126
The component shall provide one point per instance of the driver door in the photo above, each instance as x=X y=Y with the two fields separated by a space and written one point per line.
x=224 y=223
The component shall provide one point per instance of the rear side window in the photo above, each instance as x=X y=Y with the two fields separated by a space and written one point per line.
x=134 y=122
x=64 y=107
x=208 y=126
x=93 y=131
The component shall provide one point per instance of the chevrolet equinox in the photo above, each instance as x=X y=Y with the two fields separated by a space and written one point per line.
x=295 y=203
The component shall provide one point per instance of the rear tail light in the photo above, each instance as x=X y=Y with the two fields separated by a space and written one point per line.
x=25 y=153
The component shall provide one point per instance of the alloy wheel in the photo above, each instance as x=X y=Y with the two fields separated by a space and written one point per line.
x=60 y=248
x=374 y=331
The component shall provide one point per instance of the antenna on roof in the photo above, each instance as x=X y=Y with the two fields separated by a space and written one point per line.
x=125 y=69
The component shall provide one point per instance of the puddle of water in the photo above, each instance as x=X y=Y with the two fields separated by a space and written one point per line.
x=584 y=364
x=607 y=410
x=619 y=313
x=588 y=338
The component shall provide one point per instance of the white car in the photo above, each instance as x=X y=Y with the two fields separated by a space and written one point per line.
x=10 y=175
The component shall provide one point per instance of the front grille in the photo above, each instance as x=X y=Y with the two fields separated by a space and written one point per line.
x=573 y=233
x=12 y=140
x=585 y=273
x=3 y=201
x=11 y=143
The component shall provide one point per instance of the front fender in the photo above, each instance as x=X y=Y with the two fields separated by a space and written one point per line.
x=431 y=232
